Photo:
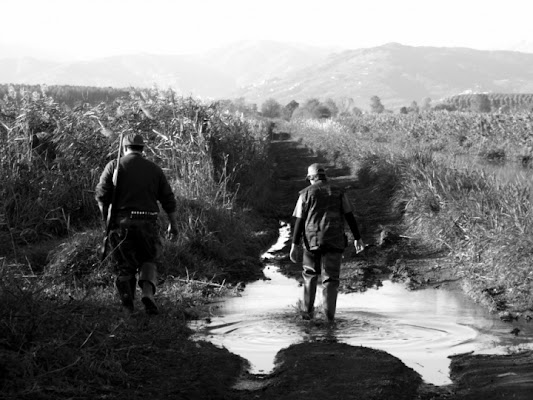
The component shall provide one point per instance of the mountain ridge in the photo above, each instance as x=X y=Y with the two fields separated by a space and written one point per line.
x=258 y=70
x=401 y=74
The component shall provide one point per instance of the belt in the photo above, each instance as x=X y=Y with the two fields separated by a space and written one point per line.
x=150 y=215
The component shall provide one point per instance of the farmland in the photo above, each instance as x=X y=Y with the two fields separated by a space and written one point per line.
x=457 y=183
x=460 y=181
x=58 y=308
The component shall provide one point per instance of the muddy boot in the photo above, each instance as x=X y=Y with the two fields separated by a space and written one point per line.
x=133 y=287
x=125 y=293
x=329 y=294
x=148 y=298
x=310 y=284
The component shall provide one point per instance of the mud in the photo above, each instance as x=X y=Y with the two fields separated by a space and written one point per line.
x=330 y=370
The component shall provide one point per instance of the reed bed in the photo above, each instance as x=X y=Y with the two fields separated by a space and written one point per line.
x=462 y=187
x=62 y=333
x=53 y=156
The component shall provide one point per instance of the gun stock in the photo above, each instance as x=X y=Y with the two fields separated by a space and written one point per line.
x=112 y=206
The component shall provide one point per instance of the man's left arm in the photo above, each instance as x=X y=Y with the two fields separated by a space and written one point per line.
x=169 y=204
x=352 y=223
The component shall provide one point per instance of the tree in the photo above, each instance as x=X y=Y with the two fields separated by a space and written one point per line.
x=288 y=110
x=310 y=109
x=426 y=104
x=334 y=110
x=404 y=110
x=311 y=104
x=345 y=106
x=271 y=108
x=375 y=105
x=322 y=112
x=356 y=111
x=414 y=107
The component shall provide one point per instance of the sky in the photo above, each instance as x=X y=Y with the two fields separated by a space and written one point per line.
x=86 y=29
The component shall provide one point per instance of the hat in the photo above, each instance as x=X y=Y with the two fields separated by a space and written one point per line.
x=315 y=169
x=133 y=139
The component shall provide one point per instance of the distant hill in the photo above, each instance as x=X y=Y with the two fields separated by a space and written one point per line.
x=214 y=74
x=184 y=74
x=258 y=70
x=400 y=74
x=255 y=61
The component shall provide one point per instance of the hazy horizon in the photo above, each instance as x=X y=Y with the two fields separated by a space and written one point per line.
x=73 y=30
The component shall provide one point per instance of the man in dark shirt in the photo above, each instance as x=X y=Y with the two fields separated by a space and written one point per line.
x=320 y=213
x=134 y=236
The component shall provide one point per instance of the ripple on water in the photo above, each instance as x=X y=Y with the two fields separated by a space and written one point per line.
x=422 y=328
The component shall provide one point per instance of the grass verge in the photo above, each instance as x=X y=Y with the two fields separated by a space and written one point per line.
x=479 y=222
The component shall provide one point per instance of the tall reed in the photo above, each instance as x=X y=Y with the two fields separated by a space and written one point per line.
x=468 y=209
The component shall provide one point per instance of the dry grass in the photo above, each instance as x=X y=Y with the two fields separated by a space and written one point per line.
x=456 y=195
x=62 y=331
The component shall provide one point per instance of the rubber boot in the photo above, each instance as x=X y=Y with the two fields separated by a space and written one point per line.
x=133 y=287
x=147 y=282
x=147 y=299
x=310 y=283
x=329 y=294
x=125 y=293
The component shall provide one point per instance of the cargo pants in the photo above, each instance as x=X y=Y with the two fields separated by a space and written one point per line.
x=136 y=246
x=328 y=265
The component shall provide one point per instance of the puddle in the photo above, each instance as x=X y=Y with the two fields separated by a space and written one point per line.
x=421 y=328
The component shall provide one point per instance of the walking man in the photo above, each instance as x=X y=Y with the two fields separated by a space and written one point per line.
x=134 y=237
x=320 y=213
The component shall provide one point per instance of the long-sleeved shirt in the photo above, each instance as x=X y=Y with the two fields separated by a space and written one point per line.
x=141 y=184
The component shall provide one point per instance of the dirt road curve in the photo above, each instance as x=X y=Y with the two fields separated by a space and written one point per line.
x=330 y=370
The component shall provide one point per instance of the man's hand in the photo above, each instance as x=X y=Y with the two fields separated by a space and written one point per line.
x=359 y=245
x=295 y=253
x=104 y=210
x=172 y=231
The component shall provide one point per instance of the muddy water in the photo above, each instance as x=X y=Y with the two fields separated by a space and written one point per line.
x=422 y=328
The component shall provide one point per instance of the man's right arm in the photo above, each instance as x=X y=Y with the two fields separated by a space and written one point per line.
x=104 y=190
x=172 y=223
x=299 y=226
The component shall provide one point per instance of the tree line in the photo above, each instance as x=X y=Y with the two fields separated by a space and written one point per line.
x=67 y=94
x=314 y=108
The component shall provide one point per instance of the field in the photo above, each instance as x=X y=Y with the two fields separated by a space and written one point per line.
x=58 y=309
x=461 y=183
x=458 y=181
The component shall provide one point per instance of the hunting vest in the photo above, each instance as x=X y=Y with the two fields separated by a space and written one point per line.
x=324 y=217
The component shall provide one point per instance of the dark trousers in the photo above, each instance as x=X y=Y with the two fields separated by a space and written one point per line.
x=328 y=265
x=136 y=246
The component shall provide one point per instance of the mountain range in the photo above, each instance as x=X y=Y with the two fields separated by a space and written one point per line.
x=258 y=70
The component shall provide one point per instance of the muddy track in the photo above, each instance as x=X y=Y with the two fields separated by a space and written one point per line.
x=330 y=370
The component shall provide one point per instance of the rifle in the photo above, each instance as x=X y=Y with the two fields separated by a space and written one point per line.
x=112 y=206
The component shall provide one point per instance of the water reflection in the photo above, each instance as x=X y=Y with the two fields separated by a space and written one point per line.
x=422 y=328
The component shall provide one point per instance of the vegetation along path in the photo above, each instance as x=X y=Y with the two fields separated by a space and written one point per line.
x=61 y=341
x=325 y=369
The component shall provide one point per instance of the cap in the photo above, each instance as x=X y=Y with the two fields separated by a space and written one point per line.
x=315 y=169
x=133 y=139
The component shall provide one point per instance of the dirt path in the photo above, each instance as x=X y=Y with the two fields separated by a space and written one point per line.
x=330 y=370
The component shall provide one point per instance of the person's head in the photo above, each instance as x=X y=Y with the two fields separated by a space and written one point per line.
x=133 y=142
x=316 y=172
